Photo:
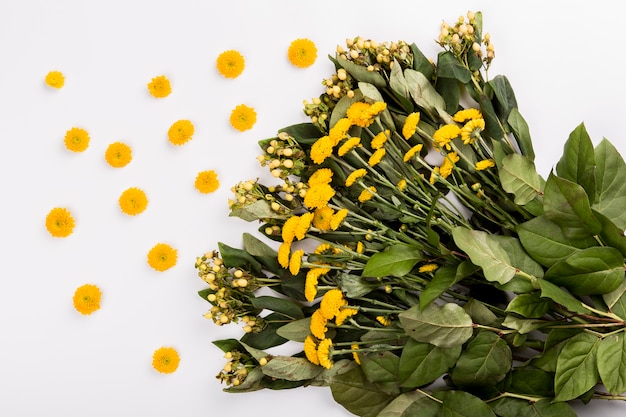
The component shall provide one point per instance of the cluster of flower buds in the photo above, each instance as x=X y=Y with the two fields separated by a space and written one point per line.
x=376 y=56
x=464 y=38
x=319 y=110
x=283 y=156
x=236 y=369
x=246 y=192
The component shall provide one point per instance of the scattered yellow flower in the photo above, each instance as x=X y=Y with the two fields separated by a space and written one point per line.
x=331 y=302
x=428 y=268
x=160 y=87
x=180 y=132
x=411 y=152
x=295 y=262
x=379 y=140
x=324 y=353
x=165 y=360
x=318 y=324
x=485 y=164
x=55 y=79
x=376 y=157
x=76 y=139
x=402 y=184
x=207 y=182
x=472 y=130
x=310 y=349
x=355 y=175
x=468 y=114
x=359 y=114
x=230 y=64
x=162 y=257
x=367 y=194
x=87 y=299
x=410 y=125
x=321 y=176
x=348 y=145
x=133 y=201
x=243 y=117
x=283 y=254
x=322 y=217
x=118 y=154
x=302 y=53
x=321 y=149
x=318 y=196
x=338 y=218
x=60 y=222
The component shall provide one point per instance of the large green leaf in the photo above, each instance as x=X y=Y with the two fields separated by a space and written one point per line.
x=423 y=93
x=562 y=297
x=445 y=326
x=357 y=395
x=522 y=133
x=291 y=368
x=611 y=235
x=610 y=184
x=267 y=337
x=238 y=258
x=423 y=363
x=462 y=404
x=576 y=368
x=505 y=95
x=450 y=67
x=484 y=362
x=613 y=297
x=612 y=363
x=296 y=330
x=279 y=305
x=361 y=73
x=529 y=305
x=514 y=407
x=577 y=163
x=397 y=81
x=444 y=278
x=380 y=366
x=519 y=177
x=397 y=260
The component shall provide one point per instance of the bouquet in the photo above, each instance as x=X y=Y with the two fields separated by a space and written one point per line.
x=412 y=254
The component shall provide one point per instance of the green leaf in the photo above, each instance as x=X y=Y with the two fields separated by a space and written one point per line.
x=523 y=326
x=291 y=368
x=258 y=210
x=423 y=93
x=514 y=407
x=262 y=252
x=238 y=258
x=296 y=331
x=522 y=133
x=519 y=177
x=449 y=67
x=355 y=286
x=462 y=404
x=361 y=73
x=423 y=407
x=421 y=63
x=445 y=326
x=396 y=260
x=444 y=278
x=611 y=234
x=341 y=366
x=450 y=91
x=532 y=382
x=610 y=184
x=358 y=396
x=597 y=270
x=267 y=337
x=423 y=363
x=493 y=127
x=613 y=297
x=303 y=132
x=576 y=368
x=228 y=345
x=566 y=203
x=577 y=163
x=612 y=363
x=501 y=257
x=397 y=81
x=505 y=95
x=279 y=305
x=484 y=362
x=479 y=312
x=562 y=297
x=399 y=406
x=253 y=382
x=380 y=366
x=529 y=305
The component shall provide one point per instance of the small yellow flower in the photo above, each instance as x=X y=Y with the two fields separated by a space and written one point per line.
x=310 y=284
x=302 y=53
x=339 y=130
x=60 y=222
x=410 y=125
x=243 y=117
x=207 y=182
x=445 y=134
x=295 y=262
x=348 y=145
x=165 y=360
x=118 y=154
x=355 y=175
x=411 y=152
x=133 y=201
x=377 y=108
x=230 y=64
x=76 y=139
x=359 y=114
x=433 y=175
x=288 y=232
x=321 y=149
x=180 y=132
x=318 y=196
x=485 y=164
x=428 y=268
x=321 y=176
x=468 y=114
x=343 y=314
x=283 y=254
x=379 y=140
x=87 y=299
x=324 y=353
x=322 y=217
x=304 y=223
x=310 y=349
x=383 y=320
x=355 y=355
x=367 y=194
x=376 y=157
x=448 y=164
x=318 y=324
x=162 y=257
x=331 y=302
x=160 y=87
x=325 y=248
x=472 y=130
x=338 y=218
x=402 y=184
x=55 y=79
x=359 y=247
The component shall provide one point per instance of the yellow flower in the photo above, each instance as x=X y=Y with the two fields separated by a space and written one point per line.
x=433 y=175
x=339 y=130
x=207 y=182
x=87 y=299
x=468 y=114
x=321 y=149
x=485 y=164
x=302 y=53
x=325 y=248
x=288 y=232
x=76 y=139
x=165 y=360
x=355 y=355
x=283 y=254
x=180 y=132
x=359 y=114
x=355 y=175
x=295 y=262
x=444 y=135
x=379 y=140
x=471 y=130
x=331 y=302
x=118 y=154
x=338 y=218
x=318 y=324
x=160 y=87
x=321 y=176
x=321 y=218
x=411 y=152
x=448 y=164
x=383 y=320
x=348 y=145
x=376 y=157
x=310 y=284
x=410 y=125
x=310 y=350
x=230 y=64
x=133 y=201
x=318 y=196
x=343 y=315
x=428 y=268
x=359 y=247
x=304 y=223
x=242 y=117
x=323 y=353
x=402 y=184
x=367 y=194
x=55 y=79
x=162 y=257
x=60 y=222
x=377 y=108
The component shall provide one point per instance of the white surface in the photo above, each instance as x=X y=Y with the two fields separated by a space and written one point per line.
x=563 y=58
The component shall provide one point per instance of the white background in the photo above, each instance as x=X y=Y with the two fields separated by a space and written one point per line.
x=563 y=58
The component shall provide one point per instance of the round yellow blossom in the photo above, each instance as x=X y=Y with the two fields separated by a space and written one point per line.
x=448 y=164
x=207 y=181
x=322 y=217
x=60 y=222
x=343 y=315
x=428 y=268
x=377 y=108
x=283 y=254
x=355 y=355
x=376 y=157
x=410 y=125
x=383 y=320
x=162 y=257
x=348 y=145
x=339 y=130
x=55 y=79
x=359 y=114
x=118 y=155
x=468 y=114
x=485 y=164
x=310 y=349
x=402 y=184
x=367 y=194
x=379 y=140
x=133 y=201
x=433 y=175
x=444 y=135
x=471 y=130
x=325 y=248
x=411 y=152
x=230 y=64
x=321 y=149
x=324 y=353
x=165 y=360
x=180 y=132
x=87 y=299
x=318 y=324
x=243 y=117
x=318 y=196
x=160 y=87
x=304 y=223
x=331 y=302
x=288 y=232
x=310 y=284
x=302 y=53
x=295 y=262
x=76 y=139
x=321 y=176
x=355 y=175
x=338 y=218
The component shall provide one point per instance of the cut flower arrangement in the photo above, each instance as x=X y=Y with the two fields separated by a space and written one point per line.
x=422 y=265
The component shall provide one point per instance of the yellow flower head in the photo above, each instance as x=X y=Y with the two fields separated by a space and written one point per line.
x=359 y=247
x=348 y=145
x=162 y=257
x=472 y=130
x=377 y=108
x=325 y=248
x=318 y=324
x=321 y=149
x=310 y=349
x=343 y=314
x=379 y=140
x=410 y=125
x=242 y=117
x=180 y=132
x=302 y=53
x=428 y=268
x=133 y=201
x=448 y=164
x=318 y=196
x=118 y=154
x=288 y=232
x=60 y=222
x=87 y=299
x=324 y=353
x=339 y=130
x=338 y=218
x=230 y=64
x=468 y=114
x=331 y=302
x=295 y=262
x=321 y=176
x=485 y=164
x=383 y=320
x=355 y=175
x=165 y=360
x=283 y=254
x=376 y=157
x=207 y=182
x=411 y=152
x=367 y=194
x=359 y=114
x=444 y=135
x=76 y=139
x=321 y=218
x=402 y=184
x=160 y=87
x=55 y=79
x=304 y=223
x=355 y=355
x=433 y=175
x=310 y=284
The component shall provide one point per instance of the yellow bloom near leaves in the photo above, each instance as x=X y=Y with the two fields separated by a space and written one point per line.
x=303 y=226
x=338 y=218
x=159 y=87
x=485 y=164
x=355 y=175
x=428 y=268
x=343 y=314
x=165 y=360
x=359 y=114
x=312 y=278
x=321 y=176
x=310 y=349
x=324 y=353
x=118 y=155
x=302 y=53
x=331 y=302
x=288 y=232
x=318 y=196
x=295 y=261
x=348 y=145
x=76 y=139
x=207 y=181
x=243 y=117
x=60 y=222
x=180 y=132
x=445 y=134
x=322 y=217
x=133 y=201
x=321 y=149
x=379 y=140
x=162 y=257
x=87 y=299
x=471 y=130
x=376 y=157
x=355 y=355
x=410 y=125
x=463 y=116
x=367 y=194
x=339 y=130
x=230 y=64
x=55 y=79
x=283 y=254
x=318 y=324
x=411 y=152
x=448 y=164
